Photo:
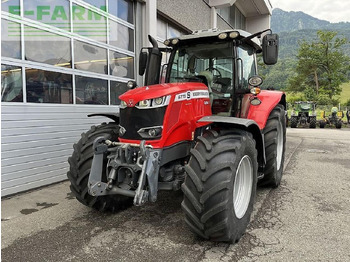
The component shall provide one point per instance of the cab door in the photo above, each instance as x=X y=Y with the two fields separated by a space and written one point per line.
x=246 y=66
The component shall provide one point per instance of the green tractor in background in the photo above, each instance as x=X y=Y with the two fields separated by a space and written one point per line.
x=303 y=113
x=335 y=118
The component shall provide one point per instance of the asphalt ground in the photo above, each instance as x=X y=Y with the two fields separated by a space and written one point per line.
x=306 y=219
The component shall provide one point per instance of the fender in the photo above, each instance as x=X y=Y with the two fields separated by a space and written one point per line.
x=113 y=116
x=244 y=124
x=269 y=99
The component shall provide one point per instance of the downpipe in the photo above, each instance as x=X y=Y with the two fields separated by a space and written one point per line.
x=148 y=160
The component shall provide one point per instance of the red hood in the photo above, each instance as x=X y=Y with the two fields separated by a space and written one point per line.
x=149 y=92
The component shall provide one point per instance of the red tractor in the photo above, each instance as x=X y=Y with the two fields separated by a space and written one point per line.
x=204 y=127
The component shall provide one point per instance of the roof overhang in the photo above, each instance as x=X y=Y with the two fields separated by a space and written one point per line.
x=221 y=3
x=252 y=8
x=249 y=8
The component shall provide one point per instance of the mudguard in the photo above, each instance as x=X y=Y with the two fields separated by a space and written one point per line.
x=269 y=100
x=113 y=116
x=244 y=124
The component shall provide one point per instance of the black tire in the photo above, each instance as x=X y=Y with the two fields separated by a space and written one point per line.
x=338 y=124
x=293 y=122
x=322 y=124
x=209 y=185
x=312 y=122
x=275 y=146
x=79 y=171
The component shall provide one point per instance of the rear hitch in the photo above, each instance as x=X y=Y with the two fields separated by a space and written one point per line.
x=147 y=165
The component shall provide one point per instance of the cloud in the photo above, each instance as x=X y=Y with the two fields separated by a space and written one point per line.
x=331 y=10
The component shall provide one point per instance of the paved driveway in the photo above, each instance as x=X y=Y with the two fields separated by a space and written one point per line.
x=306 y=219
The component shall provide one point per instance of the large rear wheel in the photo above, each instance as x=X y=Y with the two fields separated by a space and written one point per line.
x=80 y=164
x=275 y=145
x=220 y=186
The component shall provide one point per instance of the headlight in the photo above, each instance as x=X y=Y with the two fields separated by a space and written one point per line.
x=158 y=101
x=122 y=104
x=144 y=103
x=151 y=132
x=153 y=103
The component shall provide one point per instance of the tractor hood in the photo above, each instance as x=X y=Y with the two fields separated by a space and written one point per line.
x=136 y=95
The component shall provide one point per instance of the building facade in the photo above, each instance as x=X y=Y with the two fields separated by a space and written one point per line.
x=64 y=59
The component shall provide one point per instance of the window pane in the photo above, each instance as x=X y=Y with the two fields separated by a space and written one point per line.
x=247 y=56
x=173 y=32
x=51 y=12
x=48 y=87
x=11 y=84
x=11 y=6
x=90 y=24
x=10 y=39
x=91 y=90
x=121 y=36
x=90 y=58
x=121 y=65
x=117 y=88
x=161 y=29
x=45 y=47
x=101 y=4
x=122 y=9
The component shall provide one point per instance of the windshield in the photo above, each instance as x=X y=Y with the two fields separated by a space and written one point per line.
x=211 y=64
x=207 y=63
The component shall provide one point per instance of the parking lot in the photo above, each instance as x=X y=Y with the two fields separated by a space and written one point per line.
x=306 y=219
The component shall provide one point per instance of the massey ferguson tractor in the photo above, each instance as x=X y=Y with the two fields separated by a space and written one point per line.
x=204 y=126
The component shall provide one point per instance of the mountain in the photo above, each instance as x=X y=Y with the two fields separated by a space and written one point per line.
x=282 y=21
x=294 y=27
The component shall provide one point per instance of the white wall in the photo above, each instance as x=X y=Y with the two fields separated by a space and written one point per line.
x=258 y=23
x=37 y=139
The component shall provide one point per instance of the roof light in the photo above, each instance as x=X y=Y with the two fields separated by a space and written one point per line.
x=222 y=36
x=234 y=34
x=174 y=41
x=131 y=84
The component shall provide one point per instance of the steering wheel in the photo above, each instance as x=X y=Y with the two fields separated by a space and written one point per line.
x=216 y=70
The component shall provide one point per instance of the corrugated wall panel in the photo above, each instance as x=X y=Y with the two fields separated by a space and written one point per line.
x=37 y=139
x=36 y=157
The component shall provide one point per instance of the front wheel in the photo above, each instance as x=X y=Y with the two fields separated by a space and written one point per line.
x=220 y=186
x=275 y=146
x=293 y=122
x=312 y=122
x=338 y=124
x=80 y=164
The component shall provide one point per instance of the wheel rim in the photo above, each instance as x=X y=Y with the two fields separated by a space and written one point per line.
x=279 y=145
x=242 y=188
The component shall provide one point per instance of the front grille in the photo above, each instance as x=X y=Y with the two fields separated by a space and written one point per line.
x=133 y=119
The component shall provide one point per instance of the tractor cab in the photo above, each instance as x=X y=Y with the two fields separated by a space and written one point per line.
x=225 y=61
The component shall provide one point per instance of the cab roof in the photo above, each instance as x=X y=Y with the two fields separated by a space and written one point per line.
x=212 y=35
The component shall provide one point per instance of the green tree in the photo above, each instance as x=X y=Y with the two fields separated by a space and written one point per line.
x=321 y=67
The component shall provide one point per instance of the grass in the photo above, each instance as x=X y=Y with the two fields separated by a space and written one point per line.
x=345 y=94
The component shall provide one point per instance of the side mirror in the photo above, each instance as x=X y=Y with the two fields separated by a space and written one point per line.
x=143 y=62
x=270 y=49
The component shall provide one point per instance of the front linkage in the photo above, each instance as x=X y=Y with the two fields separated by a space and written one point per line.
x=128 y=167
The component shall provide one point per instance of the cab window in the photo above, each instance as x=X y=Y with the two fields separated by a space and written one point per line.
x=246 y=66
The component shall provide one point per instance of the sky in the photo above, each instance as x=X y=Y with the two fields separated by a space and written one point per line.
x=333 y=11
